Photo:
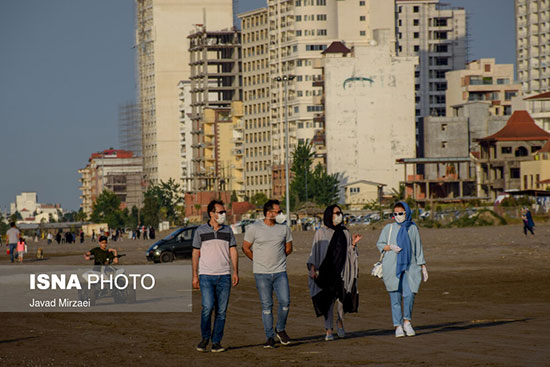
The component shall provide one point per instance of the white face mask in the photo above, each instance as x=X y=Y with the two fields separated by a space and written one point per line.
x=400 y=218
x=280 y=218
x=221 y=218
x=337 y=219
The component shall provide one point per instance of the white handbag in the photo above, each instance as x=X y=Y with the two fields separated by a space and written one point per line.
x=377 y=268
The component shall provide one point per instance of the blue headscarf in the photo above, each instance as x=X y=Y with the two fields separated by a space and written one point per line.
x=403 y=241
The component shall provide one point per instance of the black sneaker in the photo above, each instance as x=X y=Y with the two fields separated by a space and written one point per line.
x=217 y=347
x=270 y=343
x=201 y=347
x=283 y=337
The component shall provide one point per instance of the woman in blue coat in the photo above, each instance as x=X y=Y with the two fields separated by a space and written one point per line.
x=403 y=266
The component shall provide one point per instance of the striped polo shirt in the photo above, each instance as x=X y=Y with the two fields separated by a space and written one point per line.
x=214 y=247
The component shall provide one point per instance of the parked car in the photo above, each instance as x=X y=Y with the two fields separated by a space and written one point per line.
x=178 y=244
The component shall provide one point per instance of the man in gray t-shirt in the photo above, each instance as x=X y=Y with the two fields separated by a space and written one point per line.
x=13 y=235
x=267 y=244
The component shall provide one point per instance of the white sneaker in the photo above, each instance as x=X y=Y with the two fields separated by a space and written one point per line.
x=399 y=332
x=341 y=332
x=329 y=337
x=409 y=331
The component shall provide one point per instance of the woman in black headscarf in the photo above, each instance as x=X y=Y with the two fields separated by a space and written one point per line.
x=333 y=270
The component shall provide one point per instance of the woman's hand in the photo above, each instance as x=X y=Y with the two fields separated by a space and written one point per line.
x=312 y=272
x=425 y=273
x=356 y=238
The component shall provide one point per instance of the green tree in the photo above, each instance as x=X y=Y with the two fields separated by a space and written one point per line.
x=326 y=187
x=106 y=209
x=301 y=185
x=259 y=199
x=165 y=198
x=81 y=216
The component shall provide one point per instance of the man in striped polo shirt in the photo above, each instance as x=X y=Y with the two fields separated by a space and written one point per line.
x=214 y=254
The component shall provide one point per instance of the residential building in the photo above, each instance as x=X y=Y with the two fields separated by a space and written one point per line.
x=368 y=113
x=297 y=33
x=502 y=153
x=215 y=84
x=538 y=107
x=256 y=102
x=31 y=211
x=436 y=34
x=535 y=173
x=482 y=80
x=360 y=193
x=222 y=129
x=115 y=170
x=186 y=135
x=162 y=62
x=457 y=135
x=533 y=45
x=129 y=128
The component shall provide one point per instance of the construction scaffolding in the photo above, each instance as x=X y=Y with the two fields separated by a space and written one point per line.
x=129 y=128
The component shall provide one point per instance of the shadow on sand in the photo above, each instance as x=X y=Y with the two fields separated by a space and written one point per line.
x=420 y=331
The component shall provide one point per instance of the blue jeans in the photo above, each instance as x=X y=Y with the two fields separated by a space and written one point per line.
x=13 y=246
x=215 y=291
x=266 y=283
x=404 y=291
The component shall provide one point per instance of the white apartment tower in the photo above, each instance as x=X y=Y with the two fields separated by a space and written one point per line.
x=533 y=45
x=162 y=27
x=437 y=35
x=298 y=31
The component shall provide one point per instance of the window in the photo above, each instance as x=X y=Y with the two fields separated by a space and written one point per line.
x=416 y=9
x=298 y=33
x=506 y=150
x=417 y=74
x=416 y=22
x=443 y=127
x=521 y=152
x=416 y=48
x=315 y=47
x=441 y=48
x=509 y=94
x=361 y=3
x=440 y=22
x=296 y=109
x=362 y=18
x=362 y=33
x=439 y=35
x=416 y=35
x=321 y=17
x=514 y=173
x=321 y=2
x=321 y=32
x=443 y=144
x=535 y=148
x=314 y=108
x=298 y=18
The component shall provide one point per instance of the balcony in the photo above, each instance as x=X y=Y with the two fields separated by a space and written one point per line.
x=237 y=152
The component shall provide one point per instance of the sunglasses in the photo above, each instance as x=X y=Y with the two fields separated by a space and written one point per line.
x=398 y=214
x=337 y=213
x=222 y=212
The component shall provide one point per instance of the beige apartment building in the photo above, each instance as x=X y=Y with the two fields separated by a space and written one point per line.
x=222 y=128
x=297 y=32
x=256 y=102
x=115 y=170
x=162 y=27
x=535 y=173
x=533 y=45
x=482 y=80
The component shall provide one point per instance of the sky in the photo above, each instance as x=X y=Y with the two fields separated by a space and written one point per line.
x=67 y=65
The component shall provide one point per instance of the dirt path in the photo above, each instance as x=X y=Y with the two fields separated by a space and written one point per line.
x=486 y=304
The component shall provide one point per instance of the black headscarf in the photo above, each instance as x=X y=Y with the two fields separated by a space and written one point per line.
x=330 y=271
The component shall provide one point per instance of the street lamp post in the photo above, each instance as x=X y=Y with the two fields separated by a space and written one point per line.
x=285 y=79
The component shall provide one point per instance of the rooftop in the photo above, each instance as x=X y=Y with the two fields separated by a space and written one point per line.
x=336 y=47
x=520 y=127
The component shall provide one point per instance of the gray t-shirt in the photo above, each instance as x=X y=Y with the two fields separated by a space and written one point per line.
x=268 y=246
x=12 y=235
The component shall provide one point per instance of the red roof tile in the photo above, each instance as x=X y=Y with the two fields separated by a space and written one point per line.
x=545 y=148
x=336 y=47
x=520 y=127
x=545 y=95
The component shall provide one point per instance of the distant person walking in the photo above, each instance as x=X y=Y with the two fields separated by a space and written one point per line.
x=81 y=236
x=333 y=270
x=93 y=235
x=268 y=243
x=214 y=255
x=49 y=238
x=528 y=223
x=403 y=266
x=21 y=249
x=13 y=235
